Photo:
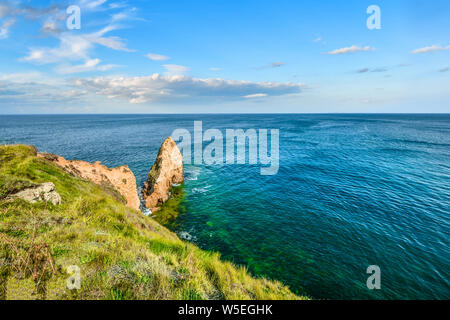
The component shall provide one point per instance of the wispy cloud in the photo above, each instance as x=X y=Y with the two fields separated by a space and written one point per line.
x=74 y=47
x=157 y=57
x=89 y=65
x=276 y=64
x=351 y=49
x=255 y=96
x=429 y=49
x=376 y=70
x=50 y=26
x=92 y=4
x=443 y=69
x=4 y=10
x=114 y=43
x=379 y=70
x=117 y=5
x=128 y=14
x=36 y=89
x=24 y=77
x=318 y=39
x=51 y=17
x=71 y=47
x=15 y=9
x=159 y=87
x=4 y=28
x=175 y=70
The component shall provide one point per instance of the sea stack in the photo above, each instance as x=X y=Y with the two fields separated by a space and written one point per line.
x=166 y=171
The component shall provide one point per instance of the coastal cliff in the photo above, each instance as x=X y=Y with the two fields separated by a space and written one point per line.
x=165 y=172
x=120 y=179
x=117 y=252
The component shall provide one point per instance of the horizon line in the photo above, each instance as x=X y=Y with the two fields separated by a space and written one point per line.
x=228 y=113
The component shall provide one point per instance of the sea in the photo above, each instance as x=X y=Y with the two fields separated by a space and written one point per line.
x=351 y=191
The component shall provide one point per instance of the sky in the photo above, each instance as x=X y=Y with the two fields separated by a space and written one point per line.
x=224 y=56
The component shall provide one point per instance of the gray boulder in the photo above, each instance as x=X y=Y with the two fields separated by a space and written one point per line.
x=43 y=192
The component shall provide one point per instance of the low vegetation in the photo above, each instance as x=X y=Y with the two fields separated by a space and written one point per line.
x=119 y=252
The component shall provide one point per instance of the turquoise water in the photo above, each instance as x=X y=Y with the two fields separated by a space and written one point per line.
x=351 y=191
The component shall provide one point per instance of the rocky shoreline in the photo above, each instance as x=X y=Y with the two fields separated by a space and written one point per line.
x=166 y=171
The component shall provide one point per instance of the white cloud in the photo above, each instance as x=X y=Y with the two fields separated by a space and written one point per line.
x=126 y=14
x=175 y=70
x=29 y=77
x=20 y=77
x=215 y=69
x=73 y=93
x=318 y=39
x=15 y=8
x=256 y=95
x=157 y=57
x=51 y=16
x=351 y=49
x=119 y=16
x=89 y=65
x=36 y=89
x=91 y=4
x=73 y=47
x=117 y=5
x=159 y=87
x=432 y=48
x=4 y=28
x=114 y=43
x=50 y=26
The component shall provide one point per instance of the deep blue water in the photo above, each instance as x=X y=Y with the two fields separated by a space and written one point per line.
x=351 y=191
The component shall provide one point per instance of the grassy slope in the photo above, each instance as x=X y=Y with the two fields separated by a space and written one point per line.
x=121 y=253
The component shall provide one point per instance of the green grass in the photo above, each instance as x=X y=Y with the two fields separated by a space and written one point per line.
x=172 y=208
x=121 y=253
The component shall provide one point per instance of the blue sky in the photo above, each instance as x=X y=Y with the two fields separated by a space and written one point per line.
x=224 y=56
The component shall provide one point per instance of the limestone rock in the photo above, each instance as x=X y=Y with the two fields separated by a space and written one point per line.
x=121 y=178
x=166 y=171
x=43 y=192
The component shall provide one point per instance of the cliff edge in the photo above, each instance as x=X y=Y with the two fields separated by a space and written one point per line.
x=120 y=179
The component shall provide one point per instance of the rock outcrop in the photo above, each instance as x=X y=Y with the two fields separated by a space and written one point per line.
x=166 y=171
x=43 y=192
x=121 y=178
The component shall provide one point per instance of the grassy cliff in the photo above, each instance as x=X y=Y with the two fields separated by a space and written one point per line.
x=120 y=253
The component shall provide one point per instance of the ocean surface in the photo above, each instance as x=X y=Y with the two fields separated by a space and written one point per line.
x=351 y=191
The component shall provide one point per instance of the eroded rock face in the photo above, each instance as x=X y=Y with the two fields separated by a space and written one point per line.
x=44 y=192
x=121 y=178
x=166 y=171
